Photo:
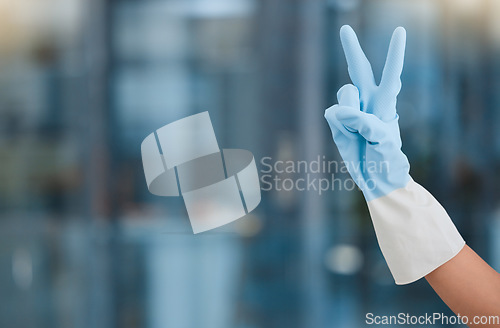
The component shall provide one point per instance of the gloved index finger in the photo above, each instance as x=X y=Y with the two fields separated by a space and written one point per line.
x=391 y=75
x=360 y=69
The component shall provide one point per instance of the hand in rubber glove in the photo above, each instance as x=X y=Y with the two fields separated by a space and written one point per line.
x=365 y=124
x=414 y=232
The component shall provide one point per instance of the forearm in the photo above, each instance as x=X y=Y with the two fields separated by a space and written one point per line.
x=469 y=286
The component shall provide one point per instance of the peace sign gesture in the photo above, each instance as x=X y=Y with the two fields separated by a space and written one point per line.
x=414 y=232
x=379 y=100
x=364 y=123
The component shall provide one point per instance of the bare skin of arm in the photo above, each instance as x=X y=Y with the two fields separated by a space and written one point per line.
x=469 y=286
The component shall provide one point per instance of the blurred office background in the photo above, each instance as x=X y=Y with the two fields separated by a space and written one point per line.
x=82 y=82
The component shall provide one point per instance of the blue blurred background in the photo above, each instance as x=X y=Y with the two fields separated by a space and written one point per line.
x=82 y=83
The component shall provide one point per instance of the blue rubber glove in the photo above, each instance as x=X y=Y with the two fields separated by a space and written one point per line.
x=365 y=124
x=414 y=232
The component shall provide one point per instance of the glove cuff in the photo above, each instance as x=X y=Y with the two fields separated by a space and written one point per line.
x=414 y=232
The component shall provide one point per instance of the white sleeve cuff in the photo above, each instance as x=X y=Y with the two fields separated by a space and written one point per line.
x=414 y=232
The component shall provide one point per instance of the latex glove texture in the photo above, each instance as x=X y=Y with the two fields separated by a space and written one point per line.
x=413 y=230
x=364 y=124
